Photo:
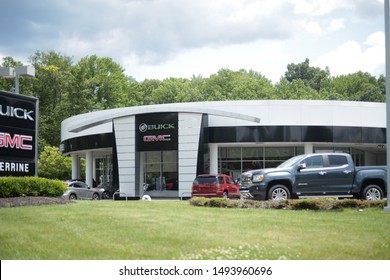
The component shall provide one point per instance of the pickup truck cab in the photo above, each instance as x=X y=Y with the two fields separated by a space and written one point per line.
x=324 y=174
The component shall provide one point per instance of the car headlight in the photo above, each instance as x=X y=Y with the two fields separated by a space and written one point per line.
x=258 y=178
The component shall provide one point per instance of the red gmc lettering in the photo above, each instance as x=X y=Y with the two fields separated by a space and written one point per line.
x=15 y=142
x=157 y=138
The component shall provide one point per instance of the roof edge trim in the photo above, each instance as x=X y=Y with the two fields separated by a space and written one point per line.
x=109 y=116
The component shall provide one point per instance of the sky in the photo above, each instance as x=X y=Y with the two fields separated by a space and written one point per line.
x=159 y=39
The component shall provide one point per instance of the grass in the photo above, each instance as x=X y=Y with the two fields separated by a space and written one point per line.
x=164 y=230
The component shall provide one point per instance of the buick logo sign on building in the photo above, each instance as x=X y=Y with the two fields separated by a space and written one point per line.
x=157 y=132
x=18 y=134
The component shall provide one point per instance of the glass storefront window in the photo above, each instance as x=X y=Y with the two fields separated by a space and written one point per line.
x=161 y=171
x=358 y=156
x=235 y=160
x=104 y=170
x=251 y=153
x=231 y=153
x=274 y=156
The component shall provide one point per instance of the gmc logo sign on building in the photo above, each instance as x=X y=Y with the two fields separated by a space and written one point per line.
x=18 y=135
x=158 y=138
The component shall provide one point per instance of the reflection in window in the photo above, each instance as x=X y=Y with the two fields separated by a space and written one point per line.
x=314 y=162
x=161 y=171
x=337 y=160
x=235 y=160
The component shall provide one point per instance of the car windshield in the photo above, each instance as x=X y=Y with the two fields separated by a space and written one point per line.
x=290 y=162
x=206 y=180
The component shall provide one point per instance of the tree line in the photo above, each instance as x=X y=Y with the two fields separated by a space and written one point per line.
x=65 y=88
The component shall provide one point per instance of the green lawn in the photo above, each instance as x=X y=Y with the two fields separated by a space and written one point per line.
x=148 y=230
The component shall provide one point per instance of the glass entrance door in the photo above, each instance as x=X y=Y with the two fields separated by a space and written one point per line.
x=161 y=173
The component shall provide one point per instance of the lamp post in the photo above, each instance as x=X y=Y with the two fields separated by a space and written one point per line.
x=9 y=72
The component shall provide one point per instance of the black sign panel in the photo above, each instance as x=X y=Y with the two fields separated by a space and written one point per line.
x=9 y=167
x=18 y=134
x=17 y=111
x=157 y=132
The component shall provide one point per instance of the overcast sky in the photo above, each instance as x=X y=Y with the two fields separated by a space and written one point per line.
x=181 y=38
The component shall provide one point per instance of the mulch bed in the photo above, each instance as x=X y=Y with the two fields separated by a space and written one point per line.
x=31 y=201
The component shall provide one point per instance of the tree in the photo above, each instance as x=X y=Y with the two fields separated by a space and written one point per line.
x=297 y=89
x=360 y=86
x=172 y=90
x=52 y=165
x=237 y=85
x=314 y=77
x=147 y=88
x=53 y=82
x=102 y=81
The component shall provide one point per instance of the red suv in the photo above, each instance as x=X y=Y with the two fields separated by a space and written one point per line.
x=218 y=185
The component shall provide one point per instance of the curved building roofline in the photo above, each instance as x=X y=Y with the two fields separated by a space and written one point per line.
x=109 y=115
x=241 y=113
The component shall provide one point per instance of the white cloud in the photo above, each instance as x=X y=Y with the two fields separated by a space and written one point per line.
x=336 y=24
x=352 y=56
x=311 y=26
x=266 y=57
x=317 y=8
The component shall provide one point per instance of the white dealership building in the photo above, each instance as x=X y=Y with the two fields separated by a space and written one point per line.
x=159 y=149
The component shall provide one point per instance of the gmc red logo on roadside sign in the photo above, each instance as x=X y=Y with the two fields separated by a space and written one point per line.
x=157 y=138
x=15 y=142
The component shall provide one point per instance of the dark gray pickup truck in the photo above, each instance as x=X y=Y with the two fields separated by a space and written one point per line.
x=325 y=174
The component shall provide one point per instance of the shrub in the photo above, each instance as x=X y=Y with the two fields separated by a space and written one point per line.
x=311 y=204
x=30 y=186
x=211 y=202
x=198 y=201
x=219 y=202
x=294 y=204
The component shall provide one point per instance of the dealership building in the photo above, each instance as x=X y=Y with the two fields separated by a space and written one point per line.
x=157 y=150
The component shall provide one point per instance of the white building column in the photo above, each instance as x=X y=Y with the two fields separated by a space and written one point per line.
x=89 y=168
x=213 y=148
x=308 y=148
x=75 y=166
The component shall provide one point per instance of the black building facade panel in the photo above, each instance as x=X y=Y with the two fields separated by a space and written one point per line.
x=259 y=134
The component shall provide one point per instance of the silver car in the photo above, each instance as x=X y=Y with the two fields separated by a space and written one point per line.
x=80 y=190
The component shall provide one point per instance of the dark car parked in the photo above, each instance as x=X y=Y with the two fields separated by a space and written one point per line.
x=108 y=189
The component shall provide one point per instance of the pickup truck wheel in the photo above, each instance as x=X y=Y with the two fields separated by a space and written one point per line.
x=279 y=192
x=372 y=192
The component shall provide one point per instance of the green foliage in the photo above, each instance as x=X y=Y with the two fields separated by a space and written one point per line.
x=313 y=77
x=359 y=86
x=240 y=85
x=30 y=186
x=294 y=204
x=51 y=164
x=211 y=202
x=65 y=88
